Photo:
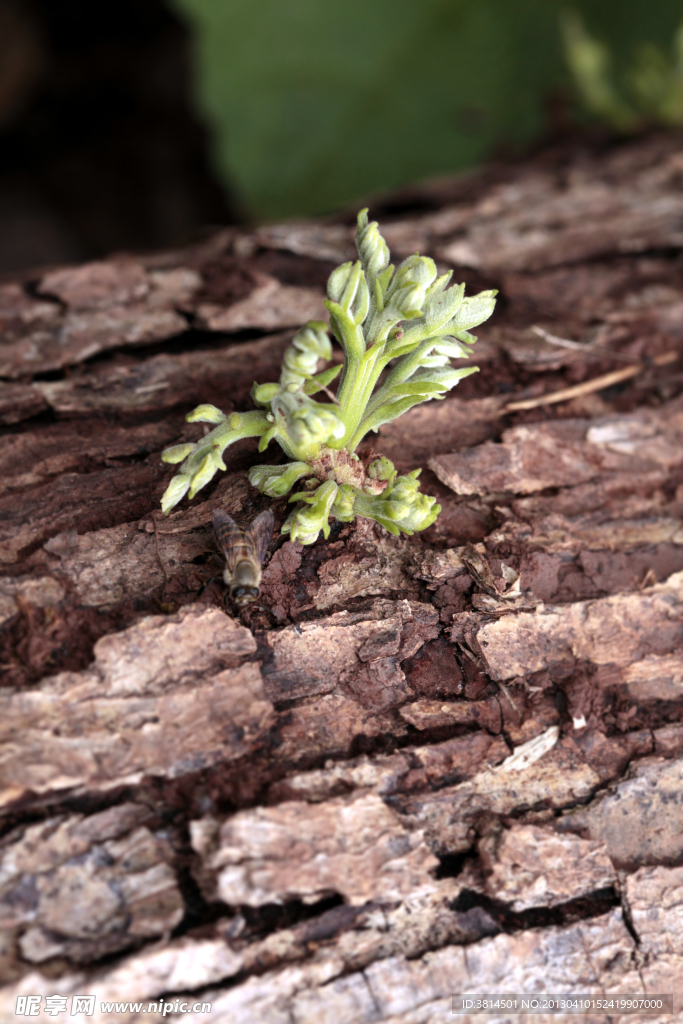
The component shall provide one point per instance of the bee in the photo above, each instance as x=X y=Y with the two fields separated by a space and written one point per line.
x=244 y=551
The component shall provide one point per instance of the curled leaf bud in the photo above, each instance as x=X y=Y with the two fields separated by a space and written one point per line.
x=372 y=249
x=407 y=293
x=420 y=516
x=263 y=394
x=381 y=469
x=400 y=507
x=206 y=414
x=177 y=452
x=406 y=487
x=415 y=270
x=296 y=531
x=300 y=361
x=412 y=511
x=306 y=423
x=211 y=462
x=343 y=508
x=338 y=280
x=305 y=524
x=277 y=481
x=175 y=492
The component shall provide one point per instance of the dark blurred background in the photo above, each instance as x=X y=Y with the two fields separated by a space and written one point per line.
x=137 y=124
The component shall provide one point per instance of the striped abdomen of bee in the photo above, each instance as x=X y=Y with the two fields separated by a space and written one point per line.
x=243 y=551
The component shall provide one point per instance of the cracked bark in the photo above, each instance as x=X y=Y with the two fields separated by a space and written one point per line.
x=423 y=766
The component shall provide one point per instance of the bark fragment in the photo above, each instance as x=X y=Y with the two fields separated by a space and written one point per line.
x=567 y=453
x=314 y=658
x=617 y=630
x=271 y=306
x=357 y=848
x=655 y=897
x=83 y=888
x=450 y=816
x=108 y=304
x=593 y=956
x=650 y=801
x=532 y=867
x=163 y=698
x=165 y=381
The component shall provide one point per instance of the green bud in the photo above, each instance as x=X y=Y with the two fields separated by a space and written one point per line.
x=297 y=532
x=411 y=510
x=415 y=270
x=407 y=293
x=423 y=513
x=262 y=394
x=381 y=469
x=372 y=249
x=175 y=492
x=306 y=422
x=305 y=524
x=400 y=507
x=177 y=452
x=206 y=414
x=347 y=289
x=396 y=510
x=337 y=281
x=300 y=361
x=276 y=481
x=343 y=508
x=208 y=467
x=406 y=487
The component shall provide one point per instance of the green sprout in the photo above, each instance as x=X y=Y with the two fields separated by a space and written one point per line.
x=652 y=89
x=398 y=328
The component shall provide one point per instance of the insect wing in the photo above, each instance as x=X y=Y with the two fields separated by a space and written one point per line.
x=261 y=532
x=231 y=538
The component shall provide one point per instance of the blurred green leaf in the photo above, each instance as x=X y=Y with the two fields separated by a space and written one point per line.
x=316 y=104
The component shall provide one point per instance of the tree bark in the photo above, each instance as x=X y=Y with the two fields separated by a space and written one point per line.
x=421 y=767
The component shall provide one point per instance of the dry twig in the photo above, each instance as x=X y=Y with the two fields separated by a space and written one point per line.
x=587 y=387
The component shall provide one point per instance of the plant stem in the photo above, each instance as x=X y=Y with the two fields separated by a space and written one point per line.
x=357 y=397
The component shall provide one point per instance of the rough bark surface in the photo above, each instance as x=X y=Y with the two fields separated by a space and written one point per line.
x=451 y=763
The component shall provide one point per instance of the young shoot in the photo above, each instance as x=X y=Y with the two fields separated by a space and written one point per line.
x=399 y=328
